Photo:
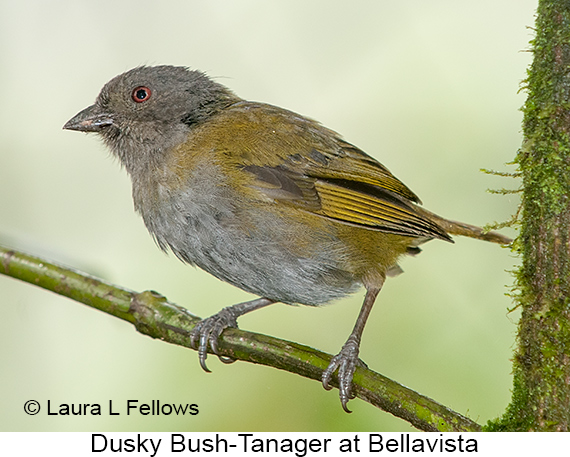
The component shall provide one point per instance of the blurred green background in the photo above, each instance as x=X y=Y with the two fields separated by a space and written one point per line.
x=429 y=88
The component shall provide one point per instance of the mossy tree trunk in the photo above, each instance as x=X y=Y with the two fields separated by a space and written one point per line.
x=541 y=391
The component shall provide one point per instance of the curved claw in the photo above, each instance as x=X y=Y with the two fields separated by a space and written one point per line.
x=327 y=374
x=203 y=351
x=345 y=361
x=226 y=360
x=207 y=332
x=203 y=362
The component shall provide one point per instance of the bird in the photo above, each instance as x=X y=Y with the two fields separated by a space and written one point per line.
x=261 y=197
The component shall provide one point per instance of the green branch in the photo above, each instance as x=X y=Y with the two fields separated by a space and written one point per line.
x=154 y=316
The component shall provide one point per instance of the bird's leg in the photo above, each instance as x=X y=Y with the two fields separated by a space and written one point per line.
x=208 y=330
x=347 y=358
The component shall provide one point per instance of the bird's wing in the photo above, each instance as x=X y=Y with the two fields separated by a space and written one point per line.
x=366 y=194
x=300 y=163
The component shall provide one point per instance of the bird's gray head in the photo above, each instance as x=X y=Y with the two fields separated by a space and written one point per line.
x=149 y=109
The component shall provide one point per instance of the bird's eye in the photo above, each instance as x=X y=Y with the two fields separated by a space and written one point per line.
x=141 y=94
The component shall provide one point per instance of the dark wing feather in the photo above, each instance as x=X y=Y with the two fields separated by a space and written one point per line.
x=300 y=163
x=357 y=203
x=353 y=165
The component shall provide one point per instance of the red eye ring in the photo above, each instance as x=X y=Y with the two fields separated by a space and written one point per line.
x=141 y=94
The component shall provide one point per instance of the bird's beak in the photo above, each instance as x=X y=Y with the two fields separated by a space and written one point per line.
x=91 y=119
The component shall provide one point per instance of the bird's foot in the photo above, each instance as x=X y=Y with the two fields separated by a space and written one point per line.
x=207 y=332
x=345 y=361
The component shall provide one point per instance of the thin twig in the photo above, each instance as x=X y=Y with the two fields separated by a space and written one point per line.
x=154 y=316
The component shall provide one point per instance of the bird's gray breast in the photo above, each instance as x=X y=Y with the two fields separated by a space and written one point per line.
x=206 y=224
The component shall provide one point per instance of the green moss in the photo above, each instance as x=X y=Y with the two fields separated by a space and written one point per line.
x=541 y=368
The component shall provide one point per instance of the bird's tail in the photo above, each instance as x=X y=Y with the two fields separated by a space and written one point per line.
x=460 y=228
